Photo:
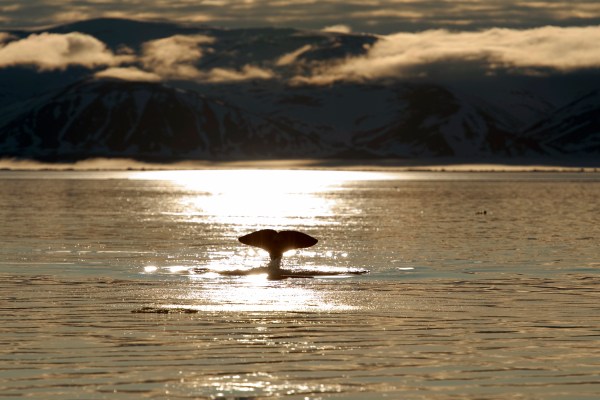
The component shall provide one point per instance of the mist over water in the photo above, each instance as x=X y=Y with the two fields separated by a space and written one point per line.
x=482 y=285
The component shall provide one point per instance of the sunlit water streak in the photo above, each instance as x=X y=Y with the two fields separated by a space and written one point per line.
x=481 y=286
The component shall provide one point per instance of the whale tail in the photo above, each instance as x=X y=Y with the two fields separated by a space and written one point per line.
x=277 y=243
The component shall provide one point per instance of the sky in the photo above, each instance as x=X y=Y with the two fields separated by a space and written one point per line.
x=369 y=16
x=417 y=37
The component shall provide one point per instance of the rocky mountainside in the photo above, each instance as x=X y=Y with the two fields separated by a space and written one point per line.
x=116 y=118
x=113 y=118
x=572 y=129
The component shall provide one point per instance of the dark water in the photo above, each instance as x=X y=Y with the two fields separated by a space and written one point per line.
x=482 y=285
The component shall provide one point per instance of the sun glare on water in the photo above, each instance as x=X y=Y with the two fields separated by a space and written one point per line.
x=257 y=198
x=234 y=202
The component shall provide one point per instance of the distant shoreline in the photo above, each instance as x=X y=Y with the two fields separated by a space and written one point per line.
x=399 y=165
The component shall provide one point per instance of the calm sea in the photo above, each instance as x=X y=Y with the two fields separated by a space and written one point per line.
x=482 y=285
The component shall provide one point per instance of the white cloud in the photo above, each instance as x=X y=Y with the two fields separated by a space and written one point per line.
x=50 y=51
x=549 y=47
x=337 y=28
x=376 y=16
x=291 y=58
x=406 y=54
x=10 y=8
x=71 y=16
x=175 y=56
x=248 y=72
x=128 y=74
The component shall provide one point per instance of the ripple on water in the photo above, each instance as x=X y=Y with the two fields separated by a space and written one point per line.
x=535 y=337
x=459 y=303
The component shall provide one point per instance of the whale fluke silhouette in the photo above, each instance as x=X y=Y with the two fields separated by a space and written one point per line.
x=277 y=243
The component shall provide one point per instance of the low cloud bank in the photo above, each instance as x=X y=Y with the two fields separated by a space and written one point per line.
x=387 y=165
x=396 y=56
x=528 y=51
x=128 y=74
x=178 y=57
x=51 y=51
x=337 y=29
x=174 y=57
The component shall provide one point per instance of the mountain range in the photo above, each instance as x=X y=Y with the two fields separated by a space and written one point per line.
x=248 y=94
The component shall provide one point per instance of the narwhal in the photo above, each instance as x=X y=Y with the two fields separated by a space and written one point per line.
x=277 y=243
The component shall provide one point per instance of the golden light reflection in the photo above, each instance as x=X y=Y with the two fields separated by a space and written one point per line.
x=213 y=292
x=237 y=201
x=258 y=198
x=258 y=293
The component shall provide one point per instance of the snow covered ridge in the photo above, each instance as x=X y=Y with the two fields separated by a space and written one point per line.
x=166 y=92
x=145 y=120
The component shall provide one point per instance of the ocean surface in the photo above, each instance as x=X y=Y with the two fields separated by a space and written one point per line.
x=481 y=285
